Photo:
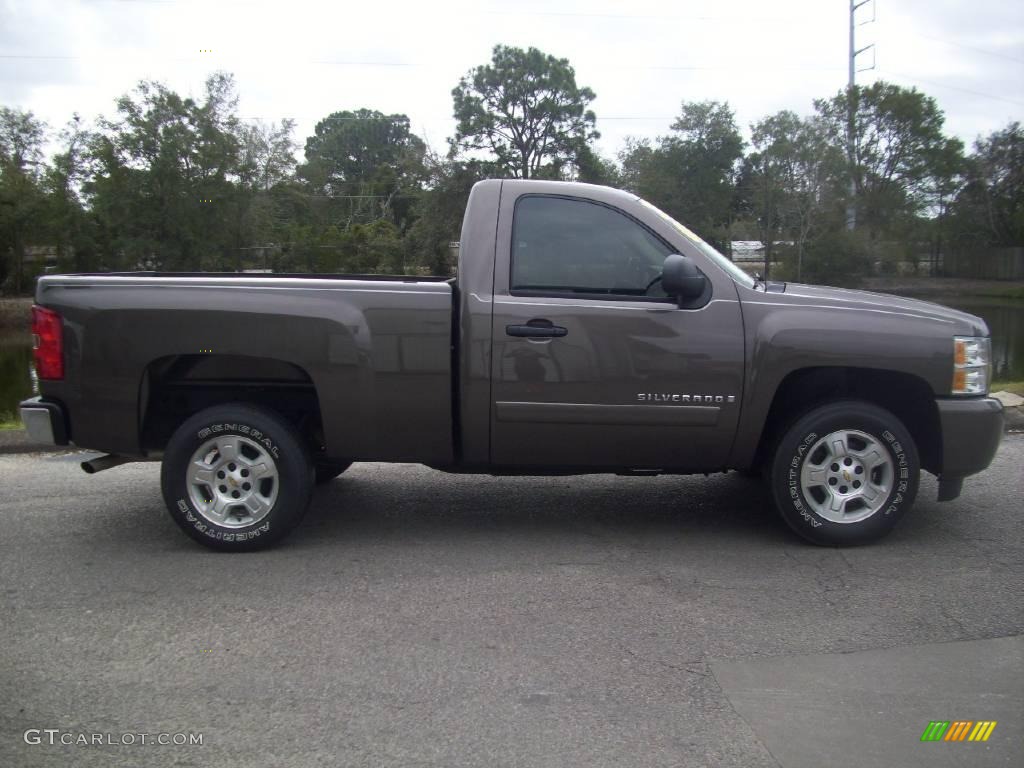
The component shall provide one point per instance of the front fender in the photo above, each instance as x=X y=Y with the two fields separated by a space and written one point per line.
x=784 y=337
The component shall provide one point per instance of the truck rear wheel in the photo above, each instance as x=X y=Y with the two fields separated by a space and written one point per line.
x=845 y=473
x=236 y=477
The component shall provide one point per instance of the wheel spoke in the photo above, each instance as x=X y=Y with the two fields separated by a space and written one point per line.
x=838 y=445
x=870 y=457
x=203 y=474
x=220 y=506
x=836 y=504
x=228 y=448
x=817 y=476
x=261 y=470
x=257 y=505
x=869 y=493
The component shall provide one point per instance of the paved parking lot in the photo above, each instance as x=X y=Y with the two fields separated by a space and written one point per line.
x=418 y=618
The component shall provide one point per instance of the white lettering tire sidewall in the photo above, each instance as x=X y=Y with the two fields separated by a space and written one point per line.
x=279 y=439
x=792 y=451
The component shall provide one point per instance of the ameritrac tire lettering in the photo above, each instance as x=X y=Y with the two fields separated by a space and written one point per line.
x=794 y=484
x=219 y=535
x=904 y=472
x=236 y=477
x=844 y=473
x=244 y=429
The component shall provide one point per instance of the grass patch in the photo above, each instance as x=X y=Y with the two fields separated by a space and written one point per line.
x=1016 y=387
x=937 y=288
x=1009 y=293
x=15 y=315
x=8 y=422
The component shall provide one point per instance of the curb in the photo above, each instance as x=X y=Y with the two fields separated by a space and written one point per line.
x=18 y=441
x=1014 y=419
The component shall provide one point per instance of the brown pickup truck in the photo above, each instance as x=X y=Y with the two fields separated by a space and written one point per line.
x=586 y=332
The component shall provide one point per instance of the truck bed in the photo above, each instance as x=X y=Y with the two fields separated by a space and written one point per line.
x=373 y=352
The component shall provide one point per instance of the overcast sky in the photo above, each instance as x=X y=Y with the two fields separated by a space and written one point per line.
x=304 y=59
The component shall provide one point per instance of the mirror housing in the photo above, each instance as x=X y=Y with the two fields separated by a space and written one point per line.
x=681 y=279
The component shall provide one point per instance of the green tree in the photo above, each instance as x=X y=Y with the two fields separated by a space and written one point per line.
x=897 y=142
x=593 y=168
x=266 y=163
x=836 y=256
x=164 y=191
x=692 y=172
x=989 y=210
x=947 y=179
x=21 y=196
x=765 y=178
x=439 y=214
x=525 y=109
x=68 y=224
x=267 y=154
x=792 y=182
x=371 y=163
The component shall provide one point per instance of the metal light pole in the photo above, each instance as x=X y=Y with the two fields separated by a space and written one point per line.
x=851 y=109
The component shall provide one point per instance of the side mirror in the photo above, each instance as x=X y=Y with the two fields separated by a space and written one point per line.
x=681 y=278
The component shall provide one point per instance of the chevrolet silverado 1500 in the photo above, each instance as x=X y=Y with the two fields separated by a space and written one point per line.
x=586 y=332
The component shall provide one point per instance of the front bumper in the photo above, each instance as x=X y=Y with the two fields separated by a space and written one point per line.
x=971 y=431
x=44 y=421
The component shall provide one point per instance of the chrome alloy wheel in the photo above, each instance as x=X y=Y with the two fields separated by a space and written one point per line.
x=847 y=476
x=232 y=481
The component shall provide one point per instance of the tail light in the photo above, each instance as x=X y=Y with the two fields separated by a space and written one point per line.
x=48 y=343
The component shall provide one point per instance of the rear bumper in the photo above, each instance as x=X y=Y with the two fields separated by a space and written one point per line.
x=44 y=421
x=971 y=431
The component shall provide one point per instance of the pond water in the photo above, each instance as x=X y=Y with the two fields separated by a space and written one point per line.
x=1005 y=320
x=1006 y=323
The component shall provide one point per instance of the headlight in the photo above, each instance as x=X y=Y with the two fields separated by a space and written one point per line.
x=972 y=365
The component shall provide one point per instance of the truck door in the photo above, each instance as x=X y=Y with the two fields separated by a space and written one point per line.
x=592 y=364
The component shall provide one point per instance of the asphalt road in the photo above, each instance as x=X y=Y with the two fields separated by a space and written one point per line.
x=418 y=619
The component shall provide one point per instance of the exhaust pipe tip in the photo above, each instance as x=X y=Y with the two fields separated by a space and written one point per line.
x=100 y=463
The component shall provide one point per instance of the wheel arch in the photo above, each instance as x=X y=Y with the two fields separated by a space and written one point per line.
x=910 y=398
x=174 y=387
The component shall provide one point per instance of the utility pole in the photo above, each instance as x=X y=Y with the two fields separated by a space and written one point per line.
x=851 y=108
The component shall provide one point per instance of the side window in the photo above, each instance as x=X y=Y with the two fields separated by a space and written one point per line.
x=575 y=246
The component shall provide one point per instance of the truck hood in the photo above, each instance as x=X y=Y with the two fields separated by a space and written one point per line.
x=965 y=324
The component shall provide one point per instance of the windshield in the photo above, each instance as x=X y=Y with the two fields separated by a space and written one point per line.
x=729 y=267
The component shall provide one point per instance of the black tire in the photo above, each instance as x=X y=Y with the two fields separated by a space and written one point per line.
x=804 y=503
x=327 y=471
x=262 y=439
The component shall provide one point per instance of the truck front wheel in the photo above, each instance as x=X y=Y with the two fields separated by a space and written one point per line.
x=845 y=473
x=236 y=477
